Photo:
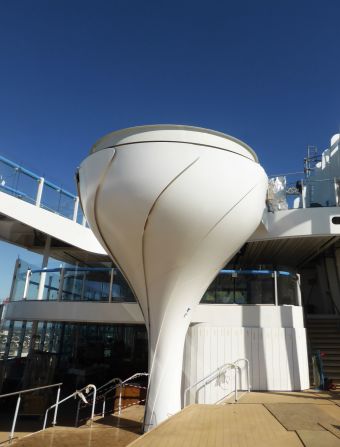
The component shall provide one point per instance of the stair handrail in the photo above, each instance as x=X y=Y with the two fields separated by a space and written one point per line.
x=248 y=375
x=75 y=394
x=208 y=378
x=121 y=386
x=103 y=396
x=211 y=376
x=19 y=393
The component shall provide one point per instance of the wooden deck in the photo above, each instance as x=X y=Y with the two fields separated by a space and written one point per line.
x=308 y=419
x=259 y=419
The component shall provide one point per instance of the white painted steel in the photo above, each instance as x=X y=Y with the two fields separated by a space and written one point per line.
x=171 y=205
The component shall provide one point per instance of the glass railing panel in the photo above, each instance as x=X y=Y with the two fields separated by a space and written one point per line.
x=57 y=200
x=287 y=289
x=16 y=182
x=252 y=287
x=120 y=289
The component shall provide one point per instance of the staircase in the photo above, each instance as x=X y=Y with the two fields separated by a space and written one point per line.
x=324 y=335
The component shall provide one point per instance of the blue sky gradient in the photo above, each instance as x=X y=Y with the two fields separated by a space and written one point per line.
x=266 y=72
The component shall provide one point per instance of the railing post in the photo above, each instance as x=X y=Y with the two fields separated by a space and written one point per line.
x=235 y=369
x=298 y=287
x=104 y=405
x=120 y=400
x=54 y=422
x=75 y=209
x=11 y=436
x=275 y=289
x=61 y=284
x=303 y=193
x=94 y=401
x=77 y=415
x=83 y=222
x=27 y=283
x=335 y=184
x=41 y=182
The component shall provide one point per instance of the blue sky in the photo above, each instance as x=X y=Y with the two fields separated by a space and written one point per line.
x=264 y=71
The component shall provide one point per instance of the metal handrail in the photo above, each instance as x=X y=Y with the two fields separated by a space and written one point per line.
x=121 y=383
x=77 y=393
x=19 y=393
x=96 y=397
x=207 y=379
x=210 y=377
x=42 y=183
x=248 y=375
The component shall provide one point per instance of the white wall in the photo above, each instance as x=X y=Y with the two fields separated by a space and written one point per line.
x=277 y=353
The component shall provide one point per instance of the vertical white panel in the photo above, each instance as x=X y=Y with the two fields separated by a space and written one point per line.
x=283 y=361
x=220 y=357
x=227 y=345
x=262 y=361
x=207 y=363
x=276 y=359
x=248 y=353
x=255 y=366
x=268 y=354
x=290 y=361
x=200 y=362
x=213 y=365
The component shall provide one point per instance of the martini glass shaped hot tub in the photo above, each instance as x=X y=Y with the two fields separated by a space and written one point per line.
x=171 y=205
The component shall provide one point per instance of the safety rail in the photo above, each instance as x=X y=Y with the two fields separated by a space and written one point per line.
x=75 y=394
x=119 y=384
x=30 y=390
x=296 y=190
x=16 y=180
x=216 y=374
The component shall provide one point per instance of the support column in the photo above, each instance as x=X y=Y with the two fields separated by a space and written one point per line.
x=43 y=266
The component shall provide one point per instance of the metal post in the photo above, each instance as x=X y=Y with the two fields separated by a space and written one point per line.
x=27 y=283
x=75 y=209
x=43 y=266
x=61 y=284
x=41 y=182
x=275 y=289
x=303 y=194
x=54 y=422
x=235 y=369
x=120 y=400
x=83 y=222
x=11 y=436
x=111 y=283
x=77 y=415
x=248 y=375
x=298 y=287
x=104 y=404
x=93 y=401
x=335 y=191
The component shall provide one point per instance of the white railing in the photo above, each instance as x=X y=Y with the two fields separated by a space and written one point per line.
x=118 y=384
x=78 y=393
x=219 y=372
x=19 y=394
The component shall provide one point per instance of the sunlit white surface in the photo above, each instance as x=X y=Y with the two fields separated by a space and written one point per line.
x=171 y=205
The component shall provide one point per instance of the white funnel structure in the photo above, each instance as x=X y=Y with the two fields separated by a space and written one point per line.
x=171 y=204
